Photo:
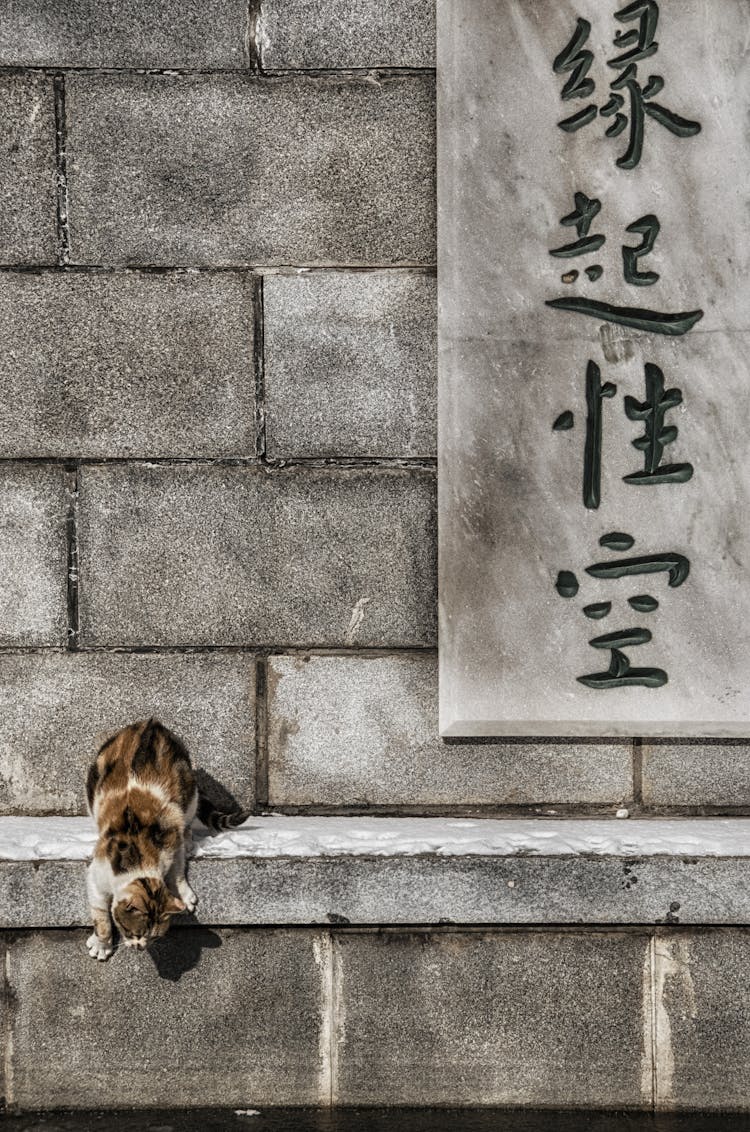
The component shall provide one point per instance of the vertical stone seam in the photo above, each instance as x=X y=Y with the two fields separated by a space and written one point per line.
x=261 y=733
x=253 y=37
x=652 y=1011
x=335 y=1018
x=259 y=368
x=71 y=569
x=61 y=172
x=9 y=1021
x=638 y=772
x=323 y=954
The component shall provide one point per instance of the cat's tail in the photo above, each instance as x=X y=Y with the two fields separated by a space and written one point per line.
x=218 y=820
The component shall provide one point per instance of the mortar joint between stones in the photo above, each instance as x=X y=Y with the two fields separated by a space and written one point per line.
x=61 y=171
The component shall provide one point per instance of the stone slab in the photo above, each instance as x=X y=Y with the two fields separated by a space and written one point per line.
x=33 y=555
x=364 y=731
x=131 y=33
x=156 y=189
x=426 y=889
x=56 y=709
x=512 y=512
x=480 y=1019
x=238 y=556
x=696 y=774
x=703 y=1020
x=28 y=232
x=205 y=1018
x=350 y=367
x=126 y=364
x=360 y=33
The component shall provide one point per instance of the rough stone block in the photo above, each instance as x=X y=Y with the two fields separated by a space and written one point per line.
x=55 y=710
x=234 y=555
x=131 y=33
x=479 y=1019
x=696 y=774
x=224 y=169
x=126 y=365
x=703 y=1020
x=355 y=730
x=350 y=364
x=360 y=33
x=226 y=1018
x=33 y=555
x=28 y=232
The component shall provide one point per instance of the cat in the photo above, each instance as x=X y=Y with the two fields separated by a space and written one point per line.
x=142 y=794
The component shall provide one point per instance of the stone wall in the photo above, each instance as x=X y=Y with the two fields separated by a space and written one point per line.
x=217 y=417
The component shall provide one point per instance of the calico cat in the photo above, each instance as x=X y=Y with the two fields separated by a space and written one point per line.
x=142 y=794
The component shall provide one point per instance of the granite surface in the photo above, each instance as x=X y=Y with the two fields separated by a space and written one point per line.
x=512 y=487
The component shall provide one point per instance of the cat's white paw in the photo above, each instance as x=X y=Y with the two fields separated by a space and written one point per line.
x=188 y=897
x=97 y=948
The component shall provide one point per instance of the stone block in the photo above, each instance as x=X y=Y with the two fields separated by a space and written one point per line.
x=238 y=556
x=226 y=1018
x=702 y=1018
x=696 y=774
x=526 y=1019
x=28 y=231
x=126 y=365
x=55 y=710
x=364 y=730
x=171 y=169
x=360 y=33
x=131 y=33
x=350 y=364
x=33 y=555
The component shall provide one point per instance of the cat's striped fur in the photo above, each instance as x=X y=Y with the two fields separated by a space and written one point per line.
x=142 y=794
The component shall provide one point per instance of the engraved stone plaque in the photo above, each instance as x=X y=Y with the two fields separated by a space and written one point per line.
x=594 y=283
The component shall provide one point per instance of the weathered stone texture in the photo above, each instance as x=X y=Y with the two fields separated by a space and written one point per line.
x=55 y=710
x=126 y=365
x=353 y=730
x=33 y=555
x=350 y=364
x=359 y=33
x=234 y=555
x=27 y=170
x=205 y=1018
x=130 y=33
x=228 y=169
x=696 y=774
x=479 y=1019
x=703 y=1020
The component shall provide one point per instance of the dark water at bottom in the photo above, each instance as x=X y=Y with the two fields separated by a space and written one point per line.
x=376 y=1120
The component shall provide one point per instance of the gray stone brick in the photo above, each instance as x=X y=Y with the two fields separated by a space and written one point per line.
x=364 y=730
x=235 y=555
x=226 y=1018
x=131 y=33
x=55 y=710
x=478 y=1019
x=357 y=33
x=703 y=1019
x=197 y=170
x=350 y=364
x=33 y=555
x=126 y=365
x=28 y=232
x=696 y=774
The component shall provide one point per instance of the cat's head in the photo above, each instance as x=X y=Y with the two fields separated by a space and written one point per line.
x=143 y=911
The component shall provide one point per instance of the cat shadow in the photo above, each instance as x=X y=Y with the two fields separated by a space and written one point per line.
x=179 y=951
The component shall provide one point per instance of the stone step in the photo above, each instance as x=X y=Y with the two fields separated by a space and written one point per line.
x=280 y=870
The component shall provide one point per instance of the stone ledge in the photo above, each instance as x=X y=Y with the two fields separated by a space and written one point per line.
x=301 y=871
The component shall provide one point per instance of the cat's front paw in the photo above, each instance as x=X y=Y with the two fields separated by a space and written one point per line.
x=98 y=948
x=188 y=897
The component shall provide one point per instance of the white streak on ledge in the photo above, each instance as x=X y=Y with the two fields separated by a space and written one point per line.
x=58 y=838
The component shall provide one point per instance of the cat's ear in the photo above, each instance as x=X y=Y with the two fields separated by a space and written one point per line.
x=173 y=904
